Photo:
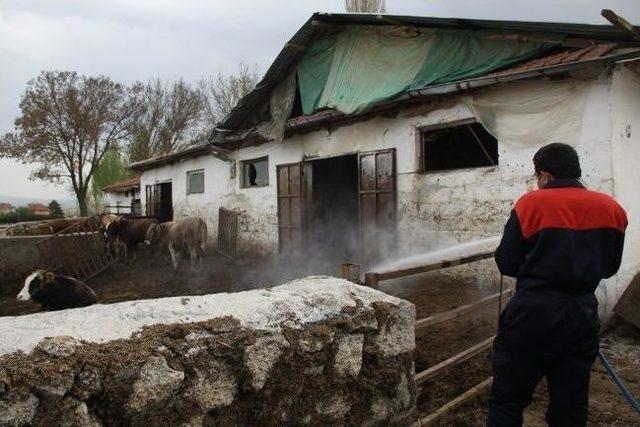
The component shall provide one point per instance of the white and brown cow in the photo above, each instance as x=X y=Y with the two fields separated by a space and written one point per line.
x=189 y=233
x=54 y=292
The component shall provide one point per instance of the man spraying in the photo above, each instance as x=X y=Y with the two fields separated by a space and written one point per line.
x=558 y=243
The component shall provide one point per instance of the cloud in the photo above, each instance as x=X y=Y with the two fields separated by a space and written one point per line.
x=131 y=40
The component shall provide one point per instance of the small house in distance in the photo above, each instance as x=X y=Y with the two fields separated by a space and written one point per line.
x=6 y=208
x=122 y=197
x=38 y=209
x=377 y=136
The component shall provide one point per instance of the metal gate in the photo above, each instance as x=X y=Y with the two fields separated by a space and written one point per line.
x=77 y=251
x=227 y=232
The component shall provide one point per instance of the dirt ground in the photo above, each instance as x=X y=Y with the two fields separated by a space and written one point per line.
x=152 y=277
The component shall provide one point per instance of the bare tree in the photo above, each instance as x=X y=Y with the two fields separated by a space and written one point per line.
x=67 y=124
x=364 y=6
x=171 y=120
x=223 y=92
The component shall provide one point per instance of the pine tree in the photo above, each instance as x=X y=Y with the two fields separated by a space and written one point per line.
x=55 y=210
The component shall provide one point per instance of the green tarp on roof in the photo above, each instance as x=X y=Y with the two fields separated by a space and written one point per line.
x=364 y=65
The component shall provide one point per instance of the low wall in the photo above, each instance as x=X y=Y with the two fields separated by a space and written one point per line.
x=19 y=256
x=314 y=351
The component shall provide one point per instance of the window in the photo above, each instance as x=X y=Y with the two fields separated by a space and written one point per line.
x=466 y=145
x=255 y=172
x=195 y=182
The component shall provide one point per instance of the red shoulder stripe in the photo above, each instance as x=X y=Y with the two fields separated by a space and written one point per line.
x=568 y=207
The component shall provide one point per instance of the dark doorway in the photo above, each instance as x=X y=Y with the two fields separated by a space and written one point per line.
x=165 y=212
x=333 y=223
x=159 y=201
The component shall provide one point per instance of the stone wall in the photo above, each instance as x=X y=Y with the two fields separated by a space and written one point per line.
x=315 y=351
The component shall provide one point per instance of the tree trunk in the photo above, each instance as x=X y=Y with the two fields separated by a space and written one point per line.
x=82 y=204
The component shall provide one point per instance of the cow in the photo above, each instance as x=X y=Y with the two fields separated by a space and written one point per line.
x=128 y=233
x=190 y=232
x=112 y=246
x=54 y=292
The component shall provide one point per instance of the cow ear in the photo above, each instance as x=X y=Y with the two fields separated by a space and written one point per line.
x=48 y=277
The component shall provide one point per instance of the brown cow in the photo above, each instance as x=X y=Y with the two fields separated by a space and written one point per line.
x=129 y=232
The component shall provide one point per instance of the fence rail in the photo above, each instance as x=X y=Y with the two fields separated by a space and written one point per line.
x=373 y=278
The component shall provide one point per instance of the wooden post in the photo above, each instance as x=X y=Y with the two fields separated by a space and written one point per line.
x=371 y=280
x=621 y=23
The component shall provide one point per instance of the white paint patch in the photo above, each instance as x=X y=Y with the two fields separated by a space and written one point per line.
x=303 y=301
x=24 y=294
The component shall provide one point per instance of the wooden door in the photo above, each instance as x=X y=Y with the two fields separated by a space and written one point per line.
x=150 y=200
x=290 y=206
x=377 y=198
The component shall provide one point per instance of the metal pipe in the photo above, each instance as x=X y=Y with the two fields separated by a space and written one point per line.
x=618 y=381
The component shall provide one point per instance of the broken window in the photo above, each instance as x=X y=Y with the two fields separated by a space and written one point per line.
x=195 y=182
x=255 y=172
x=466 y=145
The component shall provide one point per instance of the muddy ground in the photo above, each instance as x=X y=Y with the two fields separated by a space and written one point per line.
x=152 y=277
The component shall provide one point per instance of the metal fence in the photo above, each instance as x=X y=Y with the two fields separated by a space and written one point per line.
x=77 y=251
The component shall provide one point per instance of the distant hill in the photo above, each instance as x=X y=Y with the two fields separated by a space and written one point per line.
x=24 y=201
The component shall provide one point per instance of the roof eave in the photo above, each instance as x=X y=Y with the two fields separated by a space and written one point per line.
x=307 y=123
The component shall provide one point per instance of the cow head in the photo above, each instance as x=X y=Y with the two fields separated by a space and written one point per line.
x=113 y=228
x=153 y=234
x=34 y=283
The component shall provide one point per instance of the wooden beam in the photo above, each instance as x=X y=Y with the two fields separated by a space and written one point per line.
x=392 y=274
x=459 y=311
x=621 y=23
x=455 y=403
x=423 y=376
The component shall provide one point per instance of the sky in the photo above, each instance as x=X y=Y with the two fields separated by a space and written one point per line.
x=131 y=40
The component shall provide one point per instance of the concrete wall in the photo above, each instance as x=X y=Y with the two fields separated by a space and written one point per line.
x=318 y=351
x=19 y=256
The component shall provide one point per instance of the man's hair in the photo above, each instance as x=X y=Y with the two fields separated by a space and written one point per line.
x=560 y=160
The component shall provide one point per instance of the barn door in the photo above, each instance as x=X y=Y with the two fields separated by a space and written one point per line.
x=150 y=200
x=377 y=197
x=290 y=206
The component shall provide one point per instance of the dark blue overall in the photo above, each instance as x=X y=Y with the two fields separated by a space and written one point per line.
x=559 y=243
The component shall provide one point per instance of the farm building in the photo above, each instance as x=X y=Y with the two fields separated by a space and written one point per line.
x=38 y=209
x=6 y=208
x=372 y=136
x=122 y=197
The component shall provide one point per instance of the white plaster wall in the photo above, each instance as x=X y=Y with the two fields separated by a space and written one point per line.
x=625 y=141
x=434 y=209
x=113 y=199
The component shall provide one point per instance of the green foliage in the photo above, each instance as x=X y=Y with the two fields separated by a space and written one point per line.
x=21 y=215
x=55 y=209
x=112 y=168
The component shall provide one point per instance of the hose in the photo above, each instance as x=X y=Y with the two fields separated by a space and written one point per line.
x=618 y=381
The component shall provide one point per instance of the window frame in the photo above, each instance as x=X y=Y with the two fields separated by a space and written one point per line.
x=421 y=166
x=243 y=163
x=188 y=186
